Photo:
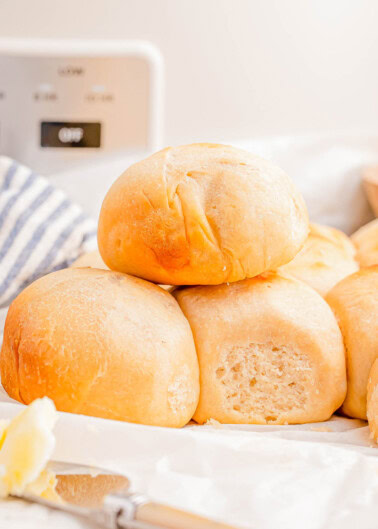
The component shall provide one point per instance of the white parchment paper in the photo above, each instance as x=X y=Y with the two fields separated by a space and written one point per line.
x=315 y=476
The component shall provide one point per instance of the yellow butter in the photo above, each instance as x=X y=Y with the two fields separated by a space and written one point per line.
x=26 y=445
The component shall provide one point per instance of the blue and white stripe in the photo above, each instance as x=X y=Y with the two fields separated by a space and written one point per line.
x=40 y=229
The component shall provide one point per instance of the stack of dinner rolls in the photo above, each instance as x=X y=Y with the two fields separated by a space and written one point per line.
x=267 y=311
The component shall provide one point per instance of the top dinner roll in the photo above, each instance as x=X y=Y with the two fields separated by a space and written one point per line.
x=201 y=214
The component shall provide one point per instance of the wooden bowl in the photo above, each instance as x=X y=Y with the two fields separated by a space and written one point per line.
x=370 y=183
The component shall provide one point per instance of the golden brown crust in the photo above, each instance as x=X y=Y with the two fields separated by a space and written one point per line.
x=104 y=344
x=201 y=214
x=366 y=241
x=326 y=258
x=269 y=350
x=355 y=303
x=372 y=401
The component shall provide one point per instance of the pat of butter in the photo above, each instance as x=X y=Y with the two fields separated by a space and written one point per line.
x=26 y=445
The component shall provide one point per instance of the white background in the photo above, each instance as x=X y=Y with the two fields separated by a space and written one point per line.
x=236 y=68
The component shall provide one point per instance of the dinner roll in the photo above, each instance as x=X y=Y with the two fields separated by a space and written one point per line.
x=366 y=241
x=201 y=214
x=326 y=258
x=104 y=344
x=372 y=401
x=355 y=303
x=269 y=350
x=91 y=260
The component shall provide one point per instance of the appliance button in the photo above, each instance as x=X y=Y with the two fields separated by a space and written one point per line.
x=70 y=134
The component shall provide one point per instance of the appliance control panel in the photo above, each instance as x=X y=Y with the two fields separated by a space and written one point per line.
x=62 y=101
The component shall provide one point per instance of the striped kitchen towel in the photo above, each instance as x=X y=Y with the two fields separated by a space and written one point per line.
x=41 y=230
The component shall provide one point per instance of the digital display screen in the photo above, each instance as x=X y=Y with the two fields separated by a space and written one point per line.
x=70 y=134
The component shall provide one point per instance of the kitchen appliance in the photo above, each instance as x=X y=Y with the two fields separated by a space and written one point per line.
x=67 y=101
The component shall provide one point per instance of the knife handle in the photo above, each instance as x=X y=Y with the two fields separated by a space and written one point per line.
x=150 y=515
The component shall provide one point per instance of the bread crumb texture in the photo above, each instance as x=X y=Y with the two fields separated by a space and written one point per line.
x=265 y=379
x=213 y=422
